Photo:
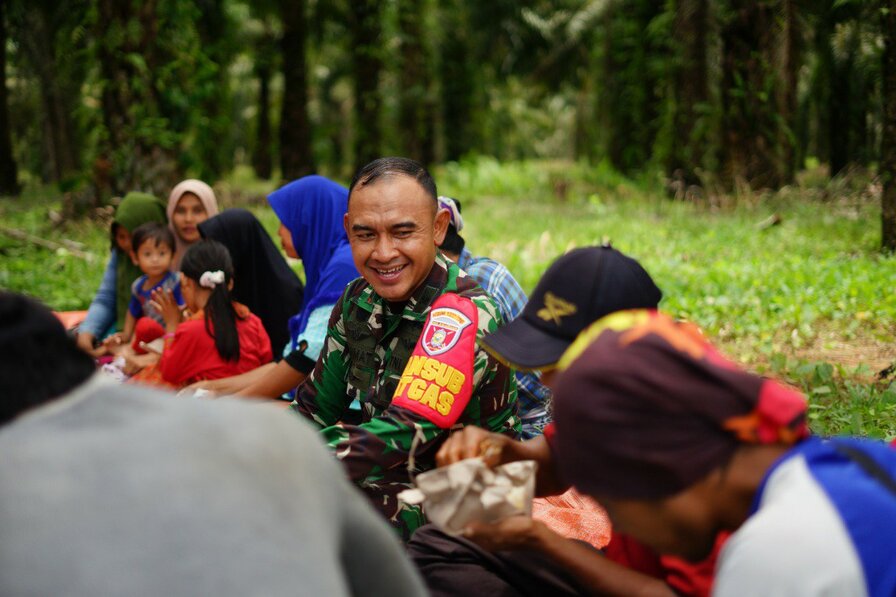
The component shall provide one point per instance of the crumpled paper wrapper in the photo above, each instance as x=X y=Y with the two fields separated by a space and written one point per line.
x=469 y=491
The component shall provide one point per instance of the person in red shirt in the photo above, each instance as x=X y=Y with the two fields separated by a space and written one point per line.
x=221 y=338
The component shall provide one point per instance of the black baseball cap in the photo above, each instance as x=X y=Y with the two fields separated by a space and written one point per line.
x=576 y=290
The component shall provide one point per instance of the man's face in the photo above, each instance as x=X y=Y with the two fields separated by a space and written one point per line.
x=394 y=230
x=682 y=525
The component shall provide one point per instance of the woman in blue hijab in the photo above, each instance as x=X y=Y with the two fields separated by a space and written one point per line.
x=311 y=211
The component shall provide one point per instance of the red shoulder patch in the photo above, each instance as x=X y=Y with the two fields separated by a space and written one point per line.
x=437 y=382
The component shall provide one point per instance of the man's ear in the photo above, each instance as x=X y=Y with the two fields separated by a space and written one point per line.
x=345 y=225
x=440 y=226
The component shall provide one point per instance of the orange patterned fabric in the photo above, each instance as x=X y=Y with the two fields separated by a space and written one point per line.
x=574 y=516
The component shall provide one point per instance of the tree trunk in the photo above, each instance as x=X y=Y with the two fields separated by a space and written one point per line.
x=364 y=26
x=751 y=150
x=214 y=146
x=113 y=103
x=108 y=174
x=265 y=63
x=456 y=73
x=888 y=142
x=296 y=156
x=822 y=81
x=629 y=84
x=789 y=59
x=38 y=43
x=9 y=184
x=690 y=90
x=416 y=113
x=261 y=157
x=129 y=157
x=841 y=107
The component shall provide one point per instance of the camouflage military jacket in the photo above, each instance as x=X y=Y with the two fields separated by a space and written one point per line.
x=364 y=355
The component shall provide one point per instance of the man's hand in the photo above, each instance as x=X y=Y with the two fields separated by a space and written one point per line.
x=496 y=449
x=471 y=442
x=163 y=300
x=515 y=532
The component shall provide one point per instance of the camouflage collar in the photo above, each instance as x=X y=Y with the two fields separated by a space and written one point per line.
x=441 y=278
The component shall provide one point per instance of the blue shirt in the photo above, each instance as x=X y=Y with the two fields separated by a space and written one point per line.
x=140 y=305
x=100 y=318
x=313 y=336
x=499 y=283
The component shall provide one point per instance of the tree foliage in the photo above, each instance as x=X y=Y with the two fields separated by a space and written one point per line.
x=106 y=96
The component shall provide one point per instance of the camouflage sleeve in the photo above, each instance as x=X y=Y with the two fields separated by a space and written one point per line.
x=385 y=442
x=400 y=437
x=495 y=383
x=322 y=398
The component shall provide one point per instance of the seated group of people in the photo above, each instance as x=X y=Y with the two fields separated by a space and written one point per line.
x=406 y=353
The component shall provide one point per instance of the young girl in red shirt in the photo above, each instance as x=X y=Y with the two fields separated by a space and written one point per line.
x=221 y=338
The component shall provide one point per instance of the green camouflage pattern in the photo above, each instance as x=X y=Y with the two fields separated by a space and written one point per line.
x=364 y=355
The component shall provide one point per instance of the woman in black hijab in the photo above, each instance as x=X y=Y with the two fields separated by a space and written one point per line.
x=263 y=281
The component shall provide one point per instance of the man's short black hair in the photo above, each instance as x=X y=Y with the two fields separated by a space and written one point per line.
x=384 y=167
x=38 y=360
x=154 y=231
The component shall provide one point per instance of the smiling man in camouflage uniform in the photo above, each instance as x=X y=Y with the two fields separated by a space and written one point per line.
x=402 y=341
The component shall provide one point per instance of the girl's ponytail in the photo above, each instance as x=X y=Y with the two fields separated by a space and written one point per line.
x=208 y=263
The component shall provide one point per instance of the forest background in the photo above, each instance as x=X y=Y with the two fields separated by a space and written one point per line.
x=741 y=149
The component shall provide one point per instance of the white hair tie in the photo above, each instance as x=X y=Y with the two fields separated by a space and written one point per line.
x=211 y=279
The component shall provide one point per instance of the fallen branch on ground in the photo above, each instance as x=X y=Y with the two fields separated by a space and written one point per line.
x=65 y=244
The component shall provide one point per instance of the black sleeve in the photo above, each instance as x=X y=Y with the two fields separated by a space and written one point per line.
x=298 y=361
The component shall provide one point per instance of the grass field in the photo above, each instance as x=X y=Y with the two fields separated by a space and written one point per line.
x=809 y=300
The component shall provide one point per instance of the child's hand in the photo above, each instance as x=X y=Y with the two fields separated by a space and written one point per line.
x=116 y=339
x=163 y=300
x=135 y=362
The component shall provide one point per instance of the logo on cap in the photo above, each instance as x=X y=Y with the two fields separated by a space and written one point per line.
x=555 y=308
x=443 y=330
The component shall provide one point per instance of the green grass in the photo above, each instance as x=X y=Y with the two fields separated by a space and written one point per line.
x=809 y=300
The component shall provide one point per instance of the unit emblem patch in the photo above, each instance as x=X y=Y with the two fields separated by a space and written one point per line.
x=443 y=330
